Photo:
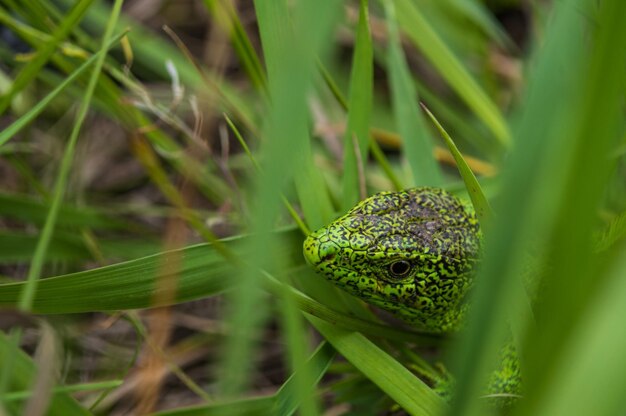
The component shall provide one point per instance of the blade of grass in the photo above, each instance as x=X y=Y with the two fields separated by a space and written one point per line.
x=249 y=406
x=547 y=209
x=595 y=111
x=131 y=285
x=98 y=385
x=377 y=152
x=417 y=141
x=360 y=108
x=59 y=189
x=287 y=399
x=479 y=201
x=593 y=357
x=426 y=38
x=390 y=376
x=290 y=59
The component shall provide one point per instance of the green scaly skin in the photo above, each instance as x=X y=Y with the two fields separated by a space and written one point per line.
x=412 y=253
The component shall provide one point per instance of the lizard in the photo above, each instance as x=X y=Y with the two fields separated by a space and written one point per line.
x=414 y=254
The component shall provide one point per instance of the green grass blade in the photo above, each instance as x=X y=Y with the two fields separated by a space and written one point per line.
x=593 y=357
x=479 y=200
x=287 y=396
x=101 y=385
x=417 y=141
x=131 y=285
x=59 y=189
x=426 y=38
x=359 y=110
x=290 y=60
x=252 y=406
x=383 y=370
x=547 y=209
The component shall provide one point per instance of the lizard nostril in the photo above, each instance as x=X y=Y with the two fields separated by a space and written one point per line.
x=329 y=257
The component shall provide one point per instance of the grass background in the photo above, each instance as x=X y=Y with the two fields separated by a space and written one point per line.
x=161 y=163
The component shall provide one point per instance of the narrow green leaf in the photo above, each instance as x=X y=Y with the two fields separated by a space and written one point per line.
x=100 y=385
x=359 y=109
x=287 y=396
x=253 y=406
x=426 y=38
x=612 y=234
x=290 y=58
x=594 y=356
x=417 y=141
x=552 y=187
x=479 y=201
x=383 y=370
x=131 y=285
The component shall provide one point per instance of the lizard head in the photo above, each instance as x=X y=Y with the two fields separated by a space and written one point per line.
x=411 y=252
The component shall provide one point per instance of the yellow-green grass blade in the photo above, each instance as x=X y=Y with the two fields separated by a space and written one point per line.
x=479 y=200
x=44 y=51
x=416 y=26
x=389 y=375
x=22 y=377
x=417 y=141
x=359 y=110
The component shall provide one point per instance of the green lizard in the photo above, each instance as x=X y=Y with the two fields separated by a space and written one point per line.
x=412 y=253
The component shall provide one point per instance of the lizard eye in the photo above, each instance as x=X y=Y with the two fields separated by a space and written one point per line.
x=399 y=268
